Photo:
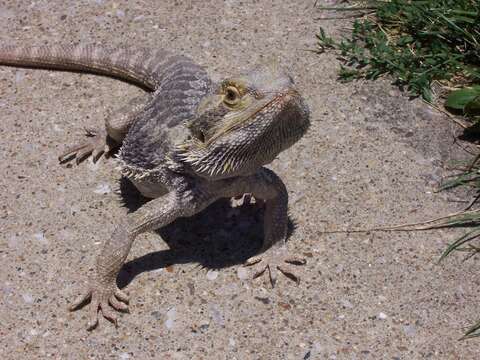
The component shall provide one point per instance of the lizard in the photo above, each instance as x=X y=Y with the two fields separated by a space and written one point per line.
x=186 y=143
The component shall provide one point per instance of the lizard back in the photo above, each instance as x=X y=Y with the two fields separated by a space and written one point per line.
x=160 y=126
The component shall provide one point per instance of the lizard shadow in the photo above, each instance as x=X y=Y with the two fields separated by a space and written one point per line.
x=218 y=237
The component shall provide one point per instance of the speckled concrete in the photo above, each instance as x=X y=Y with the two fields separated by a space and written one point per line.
x=371 y=157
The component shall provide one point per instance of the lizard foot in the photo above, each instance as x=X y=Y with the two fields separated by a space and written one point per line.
x=104 y=299
x=96 y=145
x=247 y=199
x=274 y=262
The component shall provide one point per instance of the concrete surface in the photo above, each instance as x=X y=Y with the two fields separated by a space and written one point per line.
x=371 y=157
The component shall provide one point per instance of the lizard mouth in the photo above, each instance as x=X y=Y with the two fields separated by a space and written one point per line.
x=236 y=120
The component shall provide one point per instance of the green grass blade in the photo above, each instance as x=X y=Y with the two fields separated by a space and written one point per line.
x=459 y=181
x=462 y=240
x=352 y=8
x=472 y=332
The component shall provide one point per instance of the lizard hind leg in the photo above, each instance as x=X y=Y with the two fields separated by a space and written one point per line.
x=101 y=141
x=270 y=192
x=275 y=257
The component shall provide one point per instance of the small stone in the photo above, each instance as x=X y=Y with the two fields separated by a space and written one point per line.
x=7 y=290
x=204 y=325
x=317 y=347
x=15 y=242
x=28 y=148
x=102 y=189
x=124 y=356
x=19 y=75
x=346 y=304
x=410 y=330
x=191 y=288
x=217 y=316
x=382 y=316
x=27 y=298
x=40 y=237
x=156 y=314
x=242 y=273
x=169 y=323
x=171 y=316
x=212 y=274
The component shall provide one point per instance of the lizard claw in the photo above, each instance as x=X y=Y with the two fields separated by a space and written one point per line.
x=103 y=299
x=274 y=262
x=95 y=145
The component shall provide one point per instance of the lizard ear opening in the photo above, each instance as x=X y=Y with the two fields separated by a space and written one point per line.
x=207 y=115
x=201 y=136
x=196 y=131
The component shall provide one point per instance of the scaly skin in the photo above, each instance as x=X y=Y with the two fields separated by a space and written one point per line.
x=186 y=144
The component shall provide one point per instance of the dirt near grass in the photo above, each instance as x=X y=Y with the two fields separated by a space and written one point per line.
x=372 y=157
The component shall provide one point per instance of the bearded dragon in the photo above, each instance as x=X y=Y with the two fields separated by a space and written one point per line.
x=185 y=144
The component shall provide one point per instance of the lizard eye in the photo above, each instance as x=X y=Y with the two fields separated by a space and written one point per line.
x=232 y=95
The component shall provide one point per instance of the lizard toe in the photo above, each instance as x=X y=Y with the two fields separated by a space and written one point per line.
x=117 y=304
x=103 y=297
x=122 y=296
x=70 y=152
x=95 y=145
x=274 y=262
x=93 y=313
x=253 y=261
x=295 y=260
x=83 y=154
x=97 y=154
x=260 y=271
x=289 y=273
x=80 y=300
x=93 y=323
x=108 y=313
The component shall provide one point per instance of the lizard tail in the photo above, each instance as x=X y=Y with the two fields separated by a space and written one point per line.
x=143 y=67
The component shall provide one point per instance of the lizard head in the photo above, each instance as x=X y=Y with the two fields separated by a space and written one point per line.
x=244 y=124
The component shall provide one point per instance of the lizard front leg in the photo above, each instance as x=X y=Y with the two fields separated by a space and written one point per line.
x=266 y=186
x=102 y=290
x=101 y=141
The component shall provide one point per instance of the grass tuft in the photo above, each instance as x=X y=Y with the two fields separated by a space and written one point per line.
x=416 y=42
